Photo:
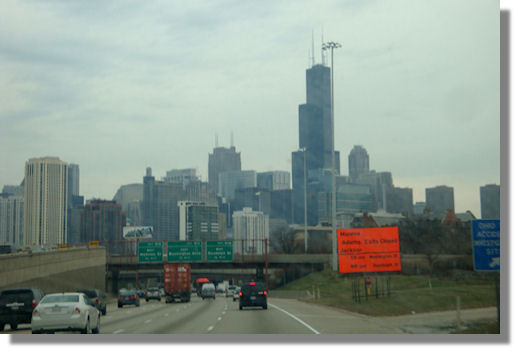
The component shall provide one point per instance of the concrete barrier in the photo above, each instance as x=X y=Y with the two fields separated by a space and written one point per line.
x=55 y=270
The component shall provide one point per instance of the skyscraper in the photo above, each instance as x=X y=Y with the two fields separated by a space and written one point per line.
x=103 y=221
x=275 y=180
x=46 y=201
x=222 y=160
x=439 y=199
x=198 y=221
x=358 y=162
x=11 y=219
x=230 y=181
x=73 y=181
x=490 y=202
x=160 y=208
x=316 y=138
x=252 y=227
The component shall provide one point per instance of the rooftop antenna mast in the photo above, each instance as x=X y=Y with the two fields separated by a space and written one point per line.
x=312 y=47
x=322 y=52
x=231 y=138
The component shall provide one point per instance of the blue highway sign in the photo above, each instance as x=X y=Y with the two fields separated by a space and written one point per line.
x=486 y=245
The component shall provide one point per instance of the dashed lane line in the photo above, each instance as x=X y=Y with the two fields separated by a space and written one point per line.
x=210 y=328
x=118 y=331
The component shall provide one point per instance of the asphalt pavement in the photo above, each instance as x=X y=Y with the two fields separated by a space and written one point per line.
x=283 y=316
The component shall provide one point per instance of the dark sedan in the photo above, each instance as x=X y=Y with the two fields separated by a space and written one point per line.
x=128 y=297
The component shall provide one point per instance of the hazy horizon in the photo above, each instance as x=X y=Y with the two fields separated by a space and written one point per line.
x=117 y=87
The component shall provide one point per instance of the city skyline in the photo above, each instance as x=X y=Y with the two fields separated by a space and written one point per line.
x=93 y=88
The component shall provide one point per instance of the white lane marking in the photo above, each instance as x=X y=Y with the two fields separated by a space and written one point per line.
x=148 y=321
x=296 y=318
x=118 y=331
x=210 y=328
x=223 y=312
x=219 y=318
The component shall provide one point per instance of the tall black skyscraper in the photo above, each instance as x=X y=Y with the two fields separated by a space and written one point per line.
x=315 y=136
x=222 y=160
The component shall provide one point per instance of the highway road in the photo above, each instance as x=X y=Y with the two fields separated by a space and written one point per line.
x=222 y=316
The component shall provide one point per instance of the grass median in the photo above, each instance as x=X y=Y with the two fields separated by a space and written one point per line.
x=407 y=294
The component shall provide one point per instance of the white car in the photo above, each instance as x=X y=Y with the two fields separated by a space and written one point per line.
x=69 y=311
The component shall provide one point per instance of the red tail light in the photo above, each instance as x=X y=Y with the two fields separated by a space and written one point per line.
x=265 y=293
x=252 y=283
x=34 y=303
x=35 y=312
x=240 y=294
x=77 y=310
x=96 y=300
x=132 y=297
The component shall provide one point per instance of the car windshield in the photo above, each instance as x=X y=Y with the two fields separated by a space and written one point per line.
x=60 y=299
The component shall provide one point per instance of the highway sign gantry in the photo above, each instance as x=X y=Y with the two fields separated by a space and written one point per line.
x=150 y=251
x=182 y=251
x=218 y=250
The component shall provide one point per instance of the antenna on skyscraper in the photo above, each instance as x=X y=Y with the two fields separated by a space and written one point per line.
x=312 y=47
x=216 y=139
x=231 y=138
x=322 y=52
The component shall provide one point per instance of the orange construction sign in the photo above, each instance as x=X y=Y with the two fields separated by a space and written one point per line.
x=368 y=250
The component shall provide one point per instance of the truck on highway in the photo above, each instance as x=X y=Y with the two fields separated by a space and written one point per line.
x=177 y=282
x=198 y=284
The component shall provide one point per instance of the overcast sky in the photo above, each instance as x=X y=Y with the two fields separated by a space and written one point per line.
x=117 y=86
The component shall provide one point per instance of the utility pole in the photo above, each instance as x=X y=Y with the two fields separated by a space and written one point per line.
x=330 y=46
x=305 y=235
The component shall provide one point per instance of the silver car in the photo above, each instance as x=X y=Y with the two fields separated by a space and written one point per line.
x=70 y=311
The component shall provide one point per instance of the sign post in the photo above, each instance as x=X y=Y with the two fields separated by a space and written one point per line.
x=184 y=251
x=149 y=252
x=486 y=252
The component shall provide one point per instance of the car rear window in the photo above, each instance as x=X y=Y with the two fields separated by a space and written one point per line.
x=24 y=295
x=89 y=293
x=60 y=298
x=256 y=287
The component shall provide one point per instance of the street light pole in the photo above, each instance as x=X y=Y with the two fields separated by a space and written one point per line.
x=331 y=45
x=304 y=149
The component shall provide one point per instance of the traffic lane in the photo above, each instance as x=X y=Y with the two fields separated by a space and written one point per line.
x=255 y=320
x=140 y=319
x=329 y=320
x=166 y=318
x=199 y=318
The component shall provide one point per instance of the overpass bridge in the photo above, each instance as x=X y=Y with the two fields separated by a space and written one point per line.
x=230 y=259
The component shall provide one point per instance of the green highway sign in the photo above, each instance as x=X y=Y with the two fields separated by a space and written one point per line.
x=181 y=251
x=218 y=250
x=150 y=251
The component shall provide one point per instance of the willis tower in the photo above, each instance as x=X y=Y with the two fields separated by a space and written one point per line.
x=315 y=137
